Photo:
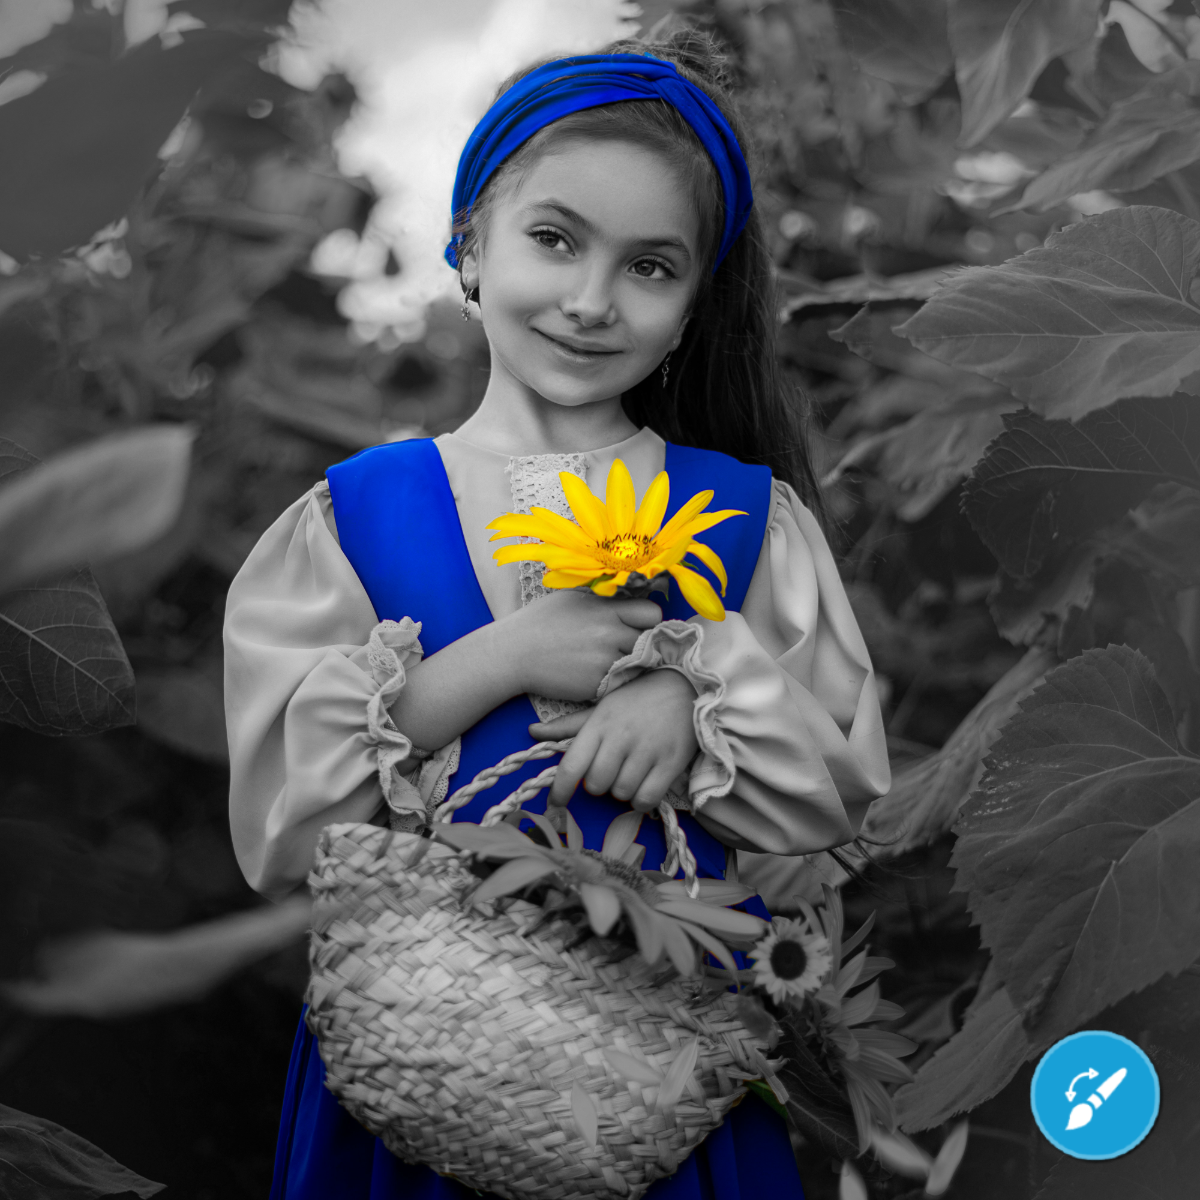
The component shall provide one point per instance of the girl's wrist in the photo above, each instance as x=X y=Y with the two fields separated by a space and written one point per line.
x=503 y=659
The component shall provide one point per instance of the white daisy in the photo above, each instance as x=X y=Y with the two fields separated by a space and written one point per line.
x=792 y=961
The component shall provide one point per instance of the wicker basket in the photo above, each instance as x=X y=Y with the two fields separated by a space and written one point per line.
x=486 y=1052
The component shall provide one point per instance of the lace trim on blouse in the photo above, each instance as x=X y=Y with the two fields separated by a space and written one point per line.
x=535 y=483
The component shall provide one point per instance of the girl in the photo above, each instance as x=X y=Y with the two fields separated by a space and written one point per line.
x=377 y=658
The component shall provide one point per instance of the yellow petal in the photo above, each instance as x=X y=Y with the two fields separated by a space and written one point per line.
x=513 y=525
x=709 y=557
x=555 y=557
x=563 y=558
x=579 y=574
x=589 y=509
x=698 y=592
x=619 y=497
x=521 y=552
x=708 y=520
x=654 y=504
x=668 y=555
x=566 y=579
x=609 y=586
x=557 y=529
x=683 y=516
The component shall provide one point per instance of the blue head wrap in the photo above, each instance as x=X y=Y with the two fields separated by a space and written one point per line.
x=571 y=84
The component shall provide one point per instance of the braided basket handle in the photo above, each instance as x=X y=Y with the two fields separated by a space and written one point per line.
x=679 y=853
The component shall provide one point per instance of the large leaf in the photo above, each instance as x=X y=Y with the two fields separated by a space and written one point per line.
x=109 y=974
x=1001 y=46
x=1142 y=138
x=1043 y=485
x=902 y=41
x=104 y=499
x=1079 y=847
x=40 y=1160
x=865 y=289
x=77 y=150
x=926 y=795
x=1105 y=71
x=1161 y=536
x=1165 y=1021
x=1104 y=310
x=927 y=456
x=63 y=670
x=1158 y=538
x=969 y=1069
x=815 y=1103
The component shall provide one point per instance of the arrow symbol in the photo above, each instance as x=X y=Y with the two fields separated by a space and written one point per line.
x=1090 y=1073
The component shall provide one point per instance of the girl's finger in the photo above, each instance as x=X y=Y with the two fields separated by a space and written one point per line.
x=560 y=728
x=627 y=639
x=576 y=760
x=632 y=776
x=639 y=614
x=606 y=765
x=654 y=787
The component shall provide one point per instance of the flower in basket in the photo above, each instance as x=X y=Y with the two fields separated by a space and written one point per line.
x=609 y=888
x=792 y=960
x=618 y=546
x=806 y=993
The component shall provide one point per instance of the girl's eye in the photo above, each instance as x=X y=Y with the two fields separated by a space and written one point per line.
x=550 y=238
x=652 y=268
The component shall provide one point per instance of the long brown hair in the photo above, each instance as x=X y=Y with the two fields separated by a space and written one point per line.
x=725 y=390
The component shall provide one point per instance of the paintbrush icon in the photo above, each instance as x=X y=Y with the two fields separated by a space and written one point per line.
x=1081 y=1114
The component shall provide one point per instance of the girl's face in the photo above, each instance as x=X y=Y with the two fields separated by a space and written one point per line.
x=586 y=271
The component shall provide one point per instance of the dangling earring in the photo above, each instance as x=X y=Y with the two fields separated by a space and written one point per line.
x=666 y=367
x=468 y=296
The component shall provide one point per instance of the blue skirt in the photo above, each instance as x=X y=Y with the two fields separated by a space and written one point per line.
x=323 y=1153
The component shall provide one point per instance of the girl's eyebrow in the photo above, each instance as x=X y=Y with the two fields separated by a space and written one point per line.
x=569 y=214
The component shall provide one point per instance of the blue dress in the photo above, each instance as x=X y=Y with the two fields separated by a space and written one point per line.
x=394 y=508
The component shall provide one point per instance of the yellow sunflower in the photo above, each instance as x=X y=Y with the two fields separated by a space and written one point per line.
x=617 y=539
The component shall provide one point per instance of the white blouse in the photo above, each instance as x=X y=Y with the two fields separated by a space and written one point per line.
x=792 y=746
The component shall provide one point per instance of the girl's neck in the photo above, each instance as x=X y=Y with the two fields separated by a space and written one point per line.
x=517 y=421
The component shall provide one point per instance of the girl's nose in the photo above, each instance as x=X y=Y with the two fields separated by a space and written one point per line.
x=591 y=301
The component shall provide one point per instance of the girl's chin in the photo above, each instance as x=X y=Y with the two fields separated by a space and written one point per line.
x=565 y=398
x=576 y=393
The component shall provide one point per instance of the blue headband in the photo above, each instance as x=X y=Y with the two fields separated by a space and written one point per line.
x=571 y=84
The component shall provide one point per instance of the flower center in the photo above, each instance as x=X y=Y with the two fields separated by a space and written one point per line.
x=625 y=550
x=788 y=959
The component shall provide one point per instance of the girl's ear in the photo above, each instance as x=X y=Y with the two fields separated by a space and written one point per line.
x=468 y=270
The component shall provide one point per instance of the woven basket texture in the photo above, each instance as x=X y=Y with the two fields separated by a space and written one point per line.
x=462 y=1042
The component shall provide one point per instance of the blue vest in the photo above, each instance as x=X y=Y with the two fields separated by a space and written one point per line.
x=398 y=526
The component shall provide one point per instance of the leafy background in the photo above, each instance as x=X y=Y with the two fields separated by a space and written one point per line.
x=1011 y=460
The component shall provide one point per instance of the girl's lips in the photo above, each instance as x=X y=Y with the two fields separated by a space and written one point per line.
x=576 y=353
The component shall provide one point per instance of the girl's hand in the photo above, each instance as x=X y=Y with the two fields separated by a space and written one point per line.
x=634 y=744
x=563 y=646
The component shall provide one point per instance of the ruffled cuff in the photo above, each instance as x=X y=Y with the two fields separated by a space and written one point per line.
x=393 y=647
x=675 y=646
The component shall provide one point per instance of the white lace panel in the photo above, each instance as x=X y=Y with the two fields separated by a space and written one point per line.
x=535 y=483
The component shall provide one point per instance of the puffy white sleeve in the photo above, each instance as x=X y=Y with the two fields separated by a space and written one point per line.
x=792 y=747
x=309 y=676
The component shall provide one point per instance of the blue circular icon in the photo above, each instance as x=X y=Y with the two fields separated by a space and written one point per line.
x=1095 y=1094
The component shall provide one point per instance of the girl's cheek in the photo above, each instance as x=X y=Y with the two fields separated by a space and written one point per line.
x=519 y=281
x=655 y=318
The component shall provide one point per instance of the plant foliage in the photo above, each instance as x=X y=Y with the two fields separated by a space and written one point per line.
x=1075 y=845
x=40 y=1160
x=1015 y=439
x=1106 y=309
